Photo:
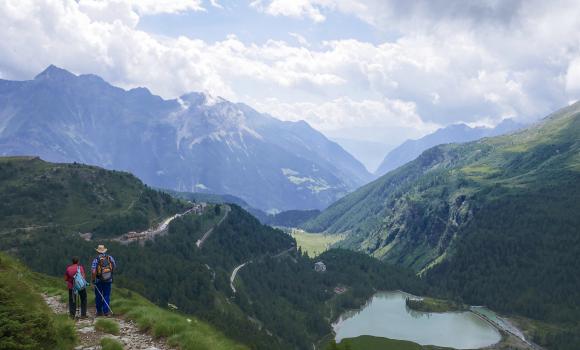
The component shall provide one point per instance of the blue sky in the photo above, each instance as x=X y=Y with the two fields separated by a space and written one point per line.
x=372 y=70
x=249 y=25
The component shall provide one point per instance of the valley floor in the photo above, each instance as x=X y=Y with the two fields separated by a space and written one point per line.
x=314 y=244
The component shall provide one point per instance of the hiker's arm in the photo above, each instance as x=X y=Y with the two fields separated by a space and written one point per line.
x=94 y=272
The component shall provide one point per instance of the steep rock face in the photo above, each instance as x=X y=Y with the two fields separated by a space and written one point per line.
x=195 y=143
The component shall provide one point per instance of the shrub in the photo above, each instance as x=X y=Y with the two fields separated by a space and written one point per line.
x=107 y=326
x=111 y=344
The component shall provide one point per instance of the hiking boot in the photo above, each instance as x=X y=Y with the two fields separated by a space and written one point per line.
x=106 y=314
x=99 y=314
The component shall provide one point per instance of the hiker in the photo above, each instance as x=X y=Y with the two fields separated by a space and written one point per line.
x=76 y=282
x=102 y=276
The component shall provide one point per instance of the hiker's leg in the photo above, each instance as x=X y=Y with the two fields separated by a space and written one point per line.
x=72 y=308
x=107 y=295
x=98 y=298
x=83 y=295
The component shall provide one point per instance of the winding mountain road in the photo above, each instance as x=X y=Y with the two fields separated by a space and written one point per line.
x=151 y=232
x=206 y=235
x=235 y=272
x=239 y=267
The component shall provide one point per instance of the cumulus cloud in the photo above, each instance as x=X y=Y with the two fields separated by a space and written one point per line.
x=462 y=60
x=102 y=39
x=446 y=62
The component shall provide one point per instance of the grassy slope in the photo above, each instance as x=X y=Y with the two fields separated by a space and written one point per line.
x=183 y=331
x=314 y=244
x=26 y=320
x=84 y=198
x=412 y=215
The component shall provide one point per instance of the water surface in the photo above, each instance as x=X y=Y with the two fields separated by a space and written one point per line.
x=386 y=315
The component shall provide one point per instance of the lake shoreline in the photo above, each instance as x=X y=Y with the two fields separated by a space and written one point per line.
x=466 y=330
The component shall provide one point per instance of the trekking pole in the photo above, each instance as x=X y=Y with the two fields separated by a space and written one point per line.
x=77 y=306
x=104 y=301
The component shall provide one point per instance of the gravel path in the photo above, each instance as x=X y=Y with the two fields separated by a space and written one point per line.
x=90 y=338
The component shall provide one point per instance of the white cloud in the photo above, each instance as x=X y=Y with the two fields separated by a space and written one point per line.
x=292 y=8
x=215 y=3
x=573 y=77
x=151 y=7
x=474 y=63
x=110 y=11
x=527 y=50
x=372 y=117
x=300 y=39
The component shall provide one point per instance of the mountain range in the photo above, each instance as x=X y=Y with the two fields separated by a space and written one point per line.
x=455 y=133
x=196 y=143
x=494 y=221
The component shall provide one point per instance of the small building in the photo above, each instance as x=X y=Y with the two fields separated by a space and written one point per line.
x=87 y=236
x=319 y=267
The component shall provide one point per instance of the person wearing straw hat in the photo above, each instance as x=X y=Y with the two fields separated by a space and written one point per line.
x=102 y=268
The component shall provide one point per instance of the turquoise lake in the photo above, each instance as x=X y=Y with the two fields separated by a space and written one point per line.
x=386 y=315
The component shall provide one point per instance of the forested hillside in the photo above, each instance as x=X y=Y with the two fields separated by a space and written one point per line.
x=38 y=194
x=280 y=303
x=496 y=218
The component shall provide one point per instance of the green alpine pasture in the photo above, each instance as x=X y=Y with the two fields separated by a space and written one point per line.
x=314 y=244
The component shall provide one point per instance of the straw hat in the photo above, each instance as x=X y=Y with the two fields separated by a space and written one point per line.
x=101 y=249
